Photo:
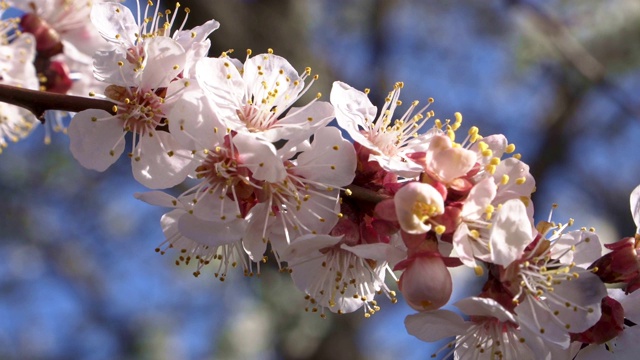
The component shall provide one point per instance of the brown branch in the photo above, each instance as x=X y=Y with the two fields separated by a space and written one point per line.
x=40 y=101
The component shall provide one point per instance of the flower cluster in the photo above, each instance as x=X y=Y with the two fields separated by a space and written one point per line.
x=409 y=196
x=17 y=54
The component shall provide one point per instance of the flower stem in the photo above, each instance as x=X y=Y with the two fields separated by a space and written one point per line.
x=40 y=101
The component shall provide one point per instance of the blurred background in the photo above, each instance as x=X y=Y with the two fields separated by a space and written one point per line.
x=79 y=278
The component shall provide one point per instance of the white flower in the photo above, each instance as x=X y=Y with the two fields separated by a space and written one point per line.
x=17 y=54
x=337 y=276
x=97 y=137
x=554 y=296
x=492 y=332
x=197 y=240
x=257 y=98
x=391 y=140
x=281 y=194
x=498 y=238
x=117 y=25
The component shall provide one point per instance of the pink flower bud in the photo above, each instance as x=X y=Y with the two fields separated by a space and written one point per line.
x=48 y=41
x=426 y=282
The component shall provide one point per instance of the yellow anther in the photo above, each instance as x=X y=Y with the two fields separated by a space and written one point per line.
x=510 y=148
x=440 y=229
x=478 y=270
x=451 y=134
x=491 y=169
x=522 y=180
x=505 y=179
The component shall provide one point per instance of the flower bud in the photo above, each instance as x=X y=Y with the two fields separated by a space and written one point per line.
x=620 y=265
x=416 y=204
x=426 y=282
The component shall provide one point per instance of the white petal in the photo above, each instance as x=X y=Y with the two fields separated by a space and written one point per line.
x=353 y=110
x=318 y=214
x=585 y=294
x=211 y=233
x=260 y=157
x=106 y=69
x=331 y=159
x=254 y=240
x=162 y=162
x=300 y=123
x=634 y=200
x=588 y=248
x=541 y=322
x=463 y=246
x=114 y=22
x=397 y=164
x=479 y=197
x=627 y=344
x=379 y=252
x=510 y=233
x=193 y=122
x=197 y=34
x=307 y=246
x=220 y=78
x=629 y=303
x=278 y=75
x=216 y=206
x=435 y=325
x=514 y=169
x=477 y=306
x=164 y=60
x=157 y=198
x=96 y=144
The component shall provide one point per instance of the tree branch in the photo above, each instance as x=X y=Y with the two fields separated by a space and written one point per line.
x=40 y=101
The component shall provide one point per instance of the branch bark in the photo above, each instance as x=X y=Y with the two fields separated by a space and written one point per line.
x=40 y=101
